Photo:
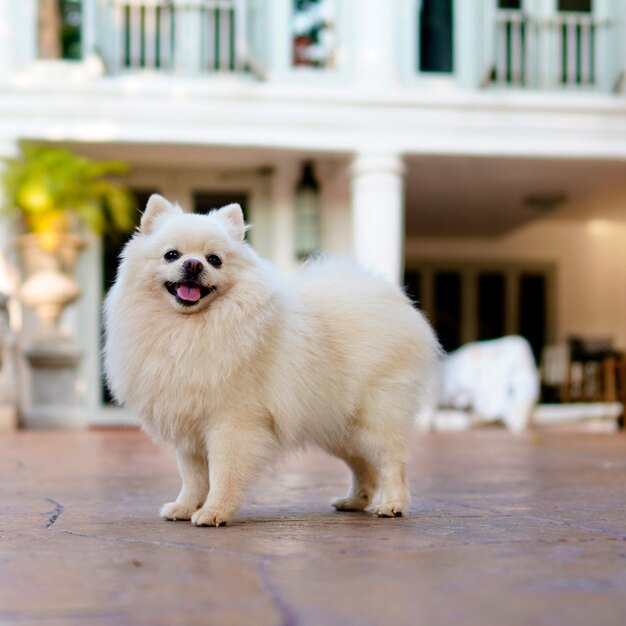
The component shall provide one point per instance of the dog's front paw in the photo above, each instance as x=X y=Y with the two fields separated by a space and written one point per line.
x=207 y=516
x=174 y=511
x=391 y=510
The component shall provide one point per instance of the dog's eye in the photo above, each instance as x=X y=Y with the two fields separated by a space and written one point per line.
x=171 y=255
x=214 y=260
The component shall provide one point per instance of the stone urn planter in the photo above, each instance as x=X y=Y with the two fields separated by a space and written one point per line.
x=48 y=283
x=53 y=193
x=47 y=287
x=8 y=392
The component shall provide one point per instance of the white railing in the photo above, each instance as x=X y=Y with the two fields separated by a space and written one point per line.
x=557 y=53
x=218 y=26
x=512 y=47
x=145 y=34
x=189 y=36
x=576 y=37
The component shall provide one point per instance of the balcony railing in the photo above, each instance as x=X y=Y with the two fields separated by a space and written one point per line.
x=556 y=53
x=512 y=33
x=191 y=36
x=144 y=33
x=576 y=37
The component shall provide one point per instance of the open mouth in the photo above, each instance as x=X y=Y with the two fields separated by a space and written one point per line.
x=188 y=293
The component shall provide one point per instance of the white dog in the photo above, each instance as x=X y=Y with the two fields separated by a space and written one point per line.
x=231 y=365
x=492 y=380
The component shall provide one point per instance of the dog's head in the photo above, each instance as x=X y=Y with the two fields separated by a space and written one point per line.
x=187 y=259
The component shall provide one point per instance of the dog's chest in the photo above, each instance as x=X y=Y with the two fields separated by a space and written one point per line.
x=179 y=379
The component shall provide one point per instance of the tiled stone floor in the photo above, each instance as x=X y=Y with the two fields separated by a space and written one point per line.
x=503 y=531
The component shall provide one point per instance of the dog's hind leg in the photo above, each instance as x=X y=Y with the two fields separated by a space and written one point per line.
x=394 y=500
x=363 y=488
x=383 y=437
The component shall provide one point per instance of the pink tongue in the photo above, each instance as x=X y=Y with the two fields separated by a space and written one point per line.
x=188 y=292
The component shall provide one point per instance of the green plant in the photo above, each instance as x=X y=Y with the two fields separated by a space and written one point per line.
x=55 y=190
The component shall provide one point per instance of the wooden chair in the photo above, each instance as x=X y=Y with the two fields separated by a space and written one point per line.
x=584 y=371
x=588 y=377
x=615 y=379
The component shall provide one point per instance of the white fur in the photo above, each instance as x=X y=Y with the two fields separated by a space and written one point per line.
x=333 y=357
x=494 y=380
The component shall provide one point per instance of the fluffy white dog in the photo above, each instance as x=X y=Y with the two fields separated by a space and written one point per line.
x=233 y=365
x=492 y=380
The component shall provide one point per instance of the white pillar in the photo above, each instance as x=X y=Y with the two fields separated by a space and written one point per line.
x=376 y=35
x=89 y=24
x=607 y=41
x=187 y=52
x=18 y=35
x=9 y=393
x=473 y=33
x=284 y=183
x=6 y=31
x=378 y=213
x=9 y=148
x=276 y=18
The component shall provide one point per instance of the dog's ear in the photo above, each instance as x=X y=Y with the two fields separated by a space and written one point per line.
x=232 y=215
x=156 y=208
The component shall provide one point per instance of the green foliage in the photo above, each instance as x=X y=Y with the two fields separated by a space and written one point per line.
x=56 y=190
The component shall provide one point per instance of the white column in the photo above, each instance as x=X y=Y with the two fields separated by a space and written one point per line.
x=187 y=53
x=277 y=22
x=89 y=34
x=609 y=59
x=284 y=183
x=9 y=393
x=8 y=149
x=378 y=213
x=547 y=44
x=474 y=27
x=18 y=35
x=242 y=52
x=375 y=43
x=6 y=31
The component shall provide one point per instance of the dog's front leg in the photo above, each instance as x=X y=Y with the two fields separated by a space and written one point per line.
x=237 y=451
x=194 y=473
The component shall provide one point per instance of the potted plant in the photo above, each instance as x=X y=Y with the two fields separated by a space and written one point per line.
x=56 y=194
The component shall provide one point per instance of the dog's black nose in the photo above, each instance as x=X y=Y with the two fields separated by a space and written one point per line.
x=193 y=267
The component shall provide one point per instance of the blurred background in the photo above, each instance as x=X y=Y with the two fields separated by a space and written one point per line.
x=471 y=150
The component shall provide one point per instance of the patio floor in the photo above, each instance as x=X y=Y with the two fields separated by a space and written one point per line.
x=502 y=531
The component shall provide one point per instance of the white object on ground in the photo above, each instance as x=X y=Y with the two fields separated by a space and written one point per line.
x=492 y=380
x=557 y=414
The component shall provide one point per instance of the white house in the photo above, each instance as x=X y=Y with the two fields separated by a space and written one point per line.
x=472 y=149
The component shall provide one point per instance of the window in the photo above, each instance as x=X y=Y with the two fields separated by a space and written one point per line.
x=436 y=30
x=59 y=29
x=71 y=22
x=413 y=286
x=111 y=248
x=205 y=201
x=510 y=5
x=447 y=318
x=532 y=310
x=491 y=305
x=314 y=33
x=581 y=6
x=469 y=301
